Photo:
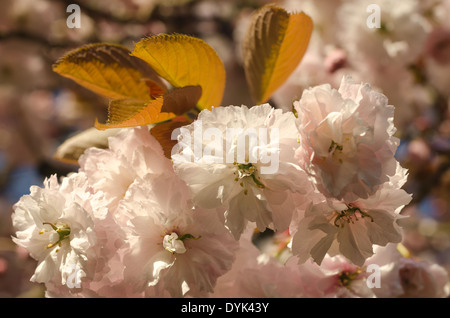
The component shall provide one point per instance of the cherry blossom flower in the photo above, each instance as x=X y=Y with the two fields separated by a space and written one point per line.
x=388 y=55
x=399 y=38
x=257 y=274
x=172 y=243
x=253 y=184
x=408 y=277
x=351 y=229
x=132 y=154
x=56 y=225
x=347 y=143
x=336 y=277
x=420 y=279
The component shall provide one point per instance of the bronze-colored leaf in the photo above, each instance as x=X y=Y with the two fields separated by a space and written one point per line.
x=274 y=45
x=131 y=113
x=134 y=112
x=181 y=100
x=163 y=133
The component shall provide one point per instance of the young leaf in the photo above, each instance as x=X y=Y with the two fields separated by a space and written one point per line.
x=185 y=61
x=132 y=112
x=163 y=133
x=274 y=45
x=71 y=149
x=109 y=70
x=181 y=100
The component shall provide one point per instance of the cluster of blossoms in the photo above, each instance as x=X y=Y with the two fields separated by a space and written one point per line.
x=133 y=223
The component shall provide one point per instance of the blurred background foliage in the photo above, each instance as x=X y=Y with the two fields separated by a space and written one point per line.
x=40 y=109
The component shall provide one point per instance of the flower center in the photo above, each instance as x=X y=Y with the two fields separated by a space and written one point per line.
x=336 y=151
x=175 y=244
x=63 y=233
x=346 y=277
x=335 y=146
x=247 y=170
x=350 y=215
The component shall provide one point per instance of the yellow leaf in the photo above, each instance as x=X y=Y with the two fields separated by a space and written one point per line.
x=110 y=70
x=274 y=45
x=131 y=113
x=185 y=61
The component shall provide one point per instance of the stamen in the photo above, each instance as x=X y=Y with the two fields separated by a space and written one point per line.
x=335 y=146
x=248 y=170
x=294 y=111
x=188 y=236
x=346 y=277
x=350 y=216
x=63 y=233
